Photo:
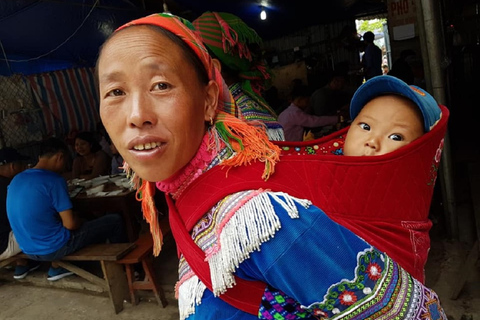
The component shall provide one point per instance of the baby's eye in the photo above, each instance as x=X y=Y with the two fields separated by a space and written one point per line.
x=364 y=126
x=396 y=137
x=115 y=93
x=160 y=86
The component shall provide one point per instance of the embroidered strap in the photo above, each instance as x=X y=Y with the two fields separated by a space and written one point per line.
x=245 y=295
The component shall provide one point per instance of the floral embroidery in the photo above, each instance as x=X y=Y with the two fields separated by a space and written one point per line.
x=347 y=298
x=374 y=271
x=435 y=164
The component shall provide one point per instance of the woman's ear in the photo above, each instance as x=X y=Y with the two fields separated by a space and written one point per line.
x=211 y=100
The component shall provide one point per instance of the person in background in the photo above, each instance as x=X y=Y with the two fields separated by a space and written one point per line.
x=91 y=161
x=237 y=47
x=372 y=58
x=45 y=226
x=385 y=69
x=401 y=67
x=117 y=160
x=295 y=119
x=11 y=163
x=101 y=136
x=169 y=113
x=332 y=98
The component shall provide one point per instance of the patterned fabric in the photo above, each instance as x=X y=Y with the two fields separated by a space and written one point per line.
x=252 y=110
x=68 y=100
x=381 y=290
x=231 y=41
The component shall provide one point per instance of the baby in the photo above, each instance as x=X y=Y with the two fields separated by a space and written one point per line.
x=387 y=114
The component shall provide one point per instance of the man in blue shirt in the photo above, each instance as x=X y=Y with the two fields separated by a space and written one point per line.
x=41 y=216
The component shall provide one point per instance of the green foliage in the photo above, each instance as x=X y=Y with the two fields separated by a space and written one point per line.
x=370 y=25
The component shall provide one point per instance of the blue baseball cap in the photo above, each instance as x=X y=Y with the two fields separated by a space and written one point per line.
x=385 y=84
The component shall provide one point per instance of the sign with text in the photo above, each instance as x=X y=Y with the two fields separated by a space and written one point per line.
x=401 y=12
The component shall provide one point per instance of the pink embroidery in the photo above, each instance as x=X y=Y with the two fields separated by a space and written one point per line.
x=178 y=182
x=214 y=249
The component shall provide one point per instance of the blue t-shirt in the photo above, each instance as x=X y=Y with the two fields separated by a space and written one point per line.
x=34 y=199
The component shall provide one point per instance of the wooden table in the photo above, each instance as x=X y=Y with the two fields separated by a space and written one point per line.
x=124 y=203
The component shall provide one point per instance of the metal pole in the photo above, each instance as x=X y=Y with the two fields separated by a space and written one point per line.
x=434 y=47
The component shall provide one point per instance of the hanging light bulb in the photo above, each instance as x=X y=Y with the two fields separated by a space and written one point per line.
x=263 y=14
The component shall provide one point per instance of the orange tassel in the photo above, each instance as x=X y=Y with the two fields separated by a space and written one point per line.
x=146 y=193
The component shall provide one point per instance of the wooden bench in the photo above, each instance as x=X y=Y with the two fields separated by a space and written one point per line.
x=143 y=253
x=114 y=280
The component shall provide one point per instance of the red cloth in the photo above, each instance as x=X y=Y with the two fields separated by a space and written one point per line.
x=383 y=199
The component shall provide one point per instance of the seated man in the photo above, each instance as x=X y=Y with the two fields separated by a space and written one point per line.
x=11 y=163
x=45 y=226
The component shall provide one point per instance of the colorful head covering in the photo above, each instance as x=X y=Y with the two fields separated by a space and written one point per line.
x=248 y=143
x=238 y=46
x=229 y=38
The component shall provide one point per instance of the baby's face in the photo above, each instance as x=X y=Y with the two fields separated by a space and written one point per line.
x=385 y=124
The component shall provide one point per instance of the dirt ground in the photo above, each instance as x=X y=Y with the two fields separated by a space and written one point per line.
x=73 y=298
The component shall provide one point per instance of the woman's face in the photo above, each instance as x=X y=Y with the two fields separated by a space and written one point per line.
x=152 y=103
x=82 y=147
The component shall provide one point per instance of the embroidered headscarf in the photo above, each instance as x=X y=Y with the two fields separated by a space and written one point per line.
x=229 y=38
x=247 y=143
x=238 y=46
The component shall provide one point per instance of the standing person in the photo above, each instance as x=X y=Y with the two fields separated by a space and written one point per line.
x=45 y=226
x=238 y=49
x=295 y=119
x=11 y=163
x=169 y=112
x=372 y=58
x=332 y=97
x=91 y=161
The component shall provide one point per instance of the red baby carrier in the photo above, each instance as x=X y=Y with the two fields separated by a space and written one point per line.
x=383 y=199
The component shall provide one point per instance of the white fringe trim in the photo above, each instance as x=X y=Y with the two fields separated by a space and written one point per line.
x=189 y=296
x=253 y=224
x=276 y=134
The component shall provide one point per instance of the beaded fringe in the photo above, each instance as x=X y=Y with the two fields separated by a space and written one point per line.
x=275 y=134
x=253 y=224
x=190 y=295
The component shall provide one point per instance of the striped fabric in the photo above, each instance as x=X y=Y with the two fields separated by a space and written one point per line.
x=68 y=99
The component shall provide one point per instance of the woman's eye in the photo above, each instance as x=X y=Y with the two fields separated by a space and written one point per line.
x=364 y=126
x=396 y=137
x=160 y=86
x=115 y=93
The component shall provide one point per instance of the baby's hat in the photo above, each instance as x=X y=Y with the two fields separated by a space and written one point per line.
x=385 y=84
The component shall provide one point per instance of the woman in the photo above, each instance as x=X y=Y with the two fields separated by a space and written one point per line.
x=170 y=115
x=91 y=161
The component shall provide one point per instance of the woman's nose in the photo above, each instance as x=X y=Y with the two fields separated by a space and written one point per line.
x=142 y=111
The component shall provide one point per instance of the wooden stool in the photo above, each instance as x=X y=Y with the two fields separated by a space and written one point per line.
x=142 y=253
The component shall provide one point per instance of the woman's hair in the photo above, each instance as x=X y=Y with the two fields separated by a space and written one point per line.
x=90 y=138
